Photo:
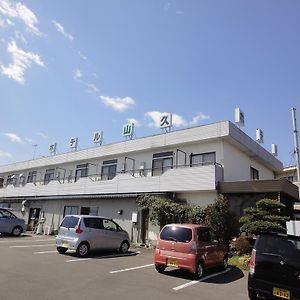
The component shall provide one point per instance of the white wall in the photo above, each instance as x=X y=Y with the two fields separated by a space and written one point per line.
x=237 y=165
x=293 y=227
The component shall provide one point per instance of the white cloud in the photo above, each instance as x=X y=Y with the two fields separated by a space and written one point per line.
x=77 y=74
x=20 y=37
x=82 y=55
x=134 y=121
x=6 y=23
x=41 y=134
x=19 y=11
x=28 y=140
x=92 y=88
x=199 y=118
x=5 y=154
x=118 y=104
x=177 y=120
x=21 y=62
x=13 y=138
x=61 y=30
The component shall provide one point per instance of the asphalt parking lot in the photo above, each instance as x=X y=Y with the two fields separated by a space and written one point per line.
x=30 y=268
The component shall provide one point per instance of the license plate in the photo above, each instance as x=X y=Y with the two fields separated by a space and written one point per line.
x=285 y=294
x=172 y=263
x=65 y=245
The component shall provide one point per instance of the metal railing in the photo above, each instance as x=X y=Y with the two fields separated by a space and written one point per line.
x=98 y=176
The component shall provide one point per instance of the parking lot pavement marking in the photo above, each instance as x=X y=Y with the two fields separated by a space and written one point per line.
x=77 y=259
x=131 y=269
x=105 y=256
x=45 y=252
x=30 y=246
x=177 y=288
x=24 y=241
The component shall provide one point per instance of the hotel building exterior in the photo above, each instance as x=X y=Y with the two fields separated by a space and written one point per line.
x=194 y=164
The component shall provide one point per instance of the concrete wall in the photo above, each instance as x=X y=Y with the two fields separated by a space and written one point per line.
x=237 y=165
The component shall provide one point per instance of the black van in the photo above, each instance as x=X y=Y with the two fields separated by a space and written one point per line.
x=275 y=267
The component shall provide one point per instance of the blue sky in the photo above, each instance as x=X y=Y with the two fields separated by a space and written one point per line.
x=70 y=68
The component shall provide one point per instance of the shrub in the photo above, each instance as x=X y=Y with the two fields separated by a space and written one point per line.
x=242 y=245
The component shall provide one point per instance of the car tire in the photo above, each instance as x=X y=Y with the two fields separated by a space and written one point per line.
x=83 y=249
x=199 y=271
x=225 y=262
x=124 y=247
x=17 y=230
x=160 y=268
x=61 y=250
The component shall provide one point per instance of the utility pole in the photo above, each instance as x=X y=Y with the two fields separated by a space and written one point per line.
x=296 y=143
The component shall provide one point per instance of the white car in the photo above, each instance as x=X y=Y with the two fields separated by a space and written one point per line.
x=86 y=233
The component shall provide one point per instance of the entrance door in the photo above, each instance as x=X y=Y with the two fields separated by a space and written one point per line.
x=34 y=214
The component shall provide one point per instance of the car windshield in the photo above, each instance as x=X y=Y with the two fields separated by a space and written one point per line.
x=176 y=234
x=7 y=214
x=282 y=246
x=70 y=222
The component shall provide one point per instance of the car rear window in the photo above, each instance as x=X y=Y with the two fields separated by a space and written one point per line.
x=177 y=234
x=70 y=222
x=285 y=247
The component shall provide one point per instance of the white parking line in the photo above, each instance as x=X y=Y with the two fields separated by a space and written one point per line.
x=131 y=269
x=177 y=288
x=29 y=246
x=105 y=256
x=45 y=252
x=24 y=241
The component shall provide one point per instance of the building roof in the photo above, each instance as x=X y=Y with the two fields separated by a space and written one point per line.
x=222 y=130
x=259 y=186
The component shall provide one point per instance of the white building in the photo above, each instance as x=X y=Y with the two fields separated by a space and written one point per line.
x=192 y=164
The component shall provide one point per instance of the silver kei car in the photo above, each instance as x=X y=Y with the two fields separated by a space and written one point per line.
x=11 y=224
x=86 y=233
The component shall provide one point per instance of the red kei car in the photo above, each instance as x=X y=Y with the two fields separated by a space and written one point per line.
x=191 y=247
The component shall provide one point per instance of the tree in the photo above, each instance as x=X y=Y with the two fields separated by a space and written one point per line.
x=221 y=220
x=164 y=211
x=266 y=216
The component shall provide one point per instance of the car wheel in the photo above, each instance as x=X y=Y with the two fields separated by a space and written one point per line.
x=83 y=249
x=160 y=268
x=199 y=271
x=61 y=250
x=124 y=247
x=16 y=231
x=225 y=263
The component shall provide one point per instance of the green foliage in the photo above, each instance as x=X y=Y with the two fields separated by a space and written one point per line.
x=221 y=220
x=164 y=211
x=266 y=216
x=217 y=216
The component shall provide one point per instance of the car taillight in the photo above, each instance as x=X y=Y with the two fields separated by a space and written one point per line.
x=194 y=247
x=252 y=262
x=78 y=229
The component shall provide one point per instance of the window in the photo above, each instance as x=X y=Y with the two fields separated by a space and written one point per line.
x=70 y=222
x=71 y=210
x=11 y=179
x=254 y=174
x=93 y=223
x=1 y=182
x=31 y=176
x=92 y=211
x=81 y=171
x=49 y=175
x=176 y=234
x=4 y=205
x=109 y=169
x=203 y=159
x=110 y=225
x=5 y=214
x=162 y=162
